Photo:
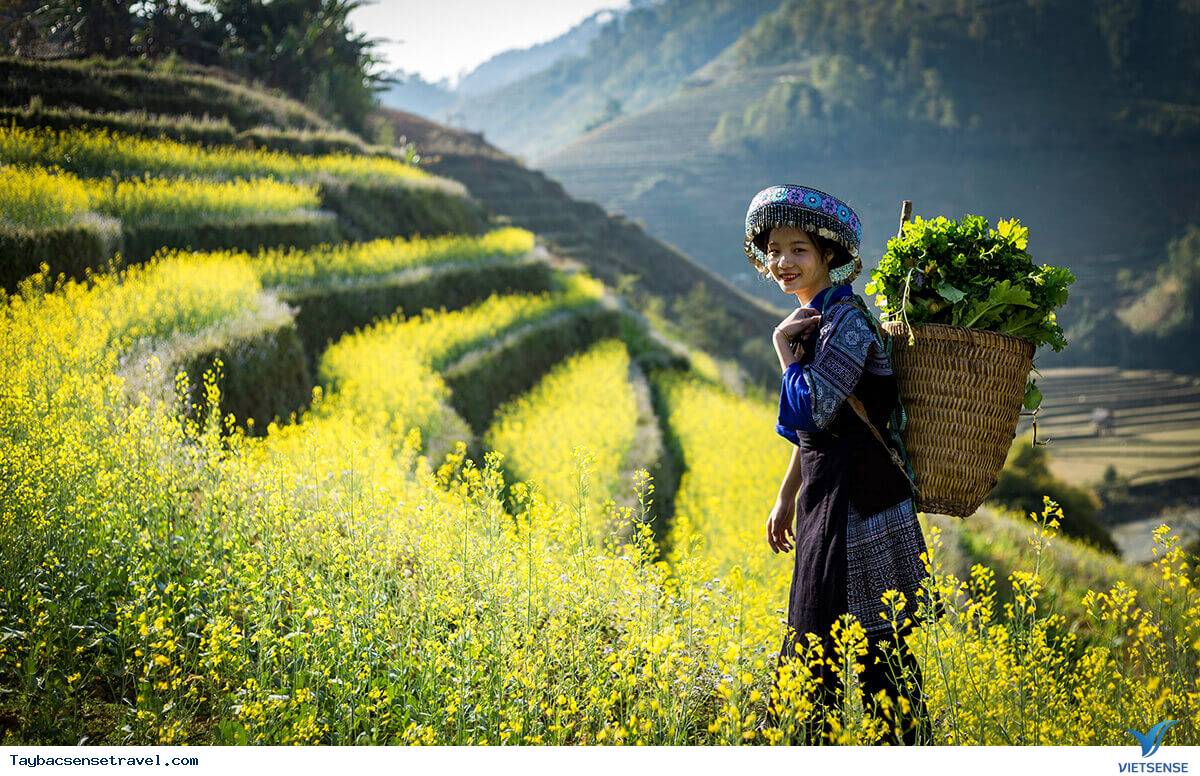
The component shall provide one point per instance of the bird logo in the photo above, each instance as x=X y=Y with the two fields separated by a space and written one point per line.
x=1152 y=738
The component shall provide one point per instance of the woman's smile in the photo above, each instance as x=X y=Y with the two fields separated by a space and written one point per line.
x=788 y=277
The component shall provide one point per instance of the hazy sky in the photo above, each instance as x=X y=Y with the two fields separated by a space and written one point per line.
x=444 y=38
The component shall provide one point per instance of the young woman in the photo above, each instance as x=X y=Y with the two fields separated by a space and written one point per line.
x=856 y=532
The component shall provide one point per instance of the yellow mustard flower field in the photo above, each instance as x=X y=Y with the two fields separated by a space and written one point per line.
x=327 y=583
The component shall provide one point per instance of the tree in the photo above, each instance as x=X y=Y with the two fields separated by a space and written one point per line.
x=702 y=320
x=1026 y=477
x=83 y=27
x=173 y=28
x=307 y=49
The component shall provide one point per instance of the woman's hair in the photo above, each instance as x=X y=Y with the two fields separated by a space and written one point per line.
x=824 y=245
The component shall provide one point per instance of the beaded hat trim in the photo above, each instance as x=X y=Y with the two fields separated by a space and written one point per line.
x=809 y=209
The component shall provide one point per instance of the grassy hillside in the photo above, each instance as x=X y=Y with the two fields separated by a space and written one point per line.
x=613 y=249
x=659 y=168
x=115 y=86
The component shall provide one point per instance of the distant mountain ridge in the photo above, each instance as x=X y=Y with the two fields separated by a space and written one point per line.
x=424 y=98
x=439 y=100
x=513 y=65
x=636 y=60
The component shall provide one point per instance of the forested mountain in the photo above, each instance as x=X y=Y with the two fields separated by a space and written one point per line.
x=443 y=101
x=436 y=100
x=509 y=66
x=632 y=63
x=1012 y=70
x=1023 y=72
x=1082 y=119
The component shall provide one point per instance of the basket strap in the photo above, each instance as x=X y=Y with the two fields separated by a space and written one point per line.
x=862 y=413
x=899 y=416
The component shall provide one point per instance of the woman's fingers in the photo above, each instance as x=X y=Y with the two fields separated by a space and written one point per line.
x=799 y=314
x=781 y=535
x=779 y=529
x=801 y=327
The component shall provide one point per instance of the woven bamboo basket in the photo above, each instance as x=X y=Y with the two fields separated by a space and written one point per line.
x=963 y=390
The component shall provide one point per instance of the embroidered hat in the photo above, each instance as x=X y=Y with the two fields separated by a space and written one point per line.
x=811 y=210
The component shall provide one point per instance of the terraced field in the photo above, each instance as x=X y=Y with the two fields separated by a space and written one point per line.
x=328 y=491
x=1156 y=434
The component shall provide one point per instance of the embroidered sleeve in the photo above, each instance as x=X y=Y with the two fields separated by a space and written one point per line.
x=810 y=396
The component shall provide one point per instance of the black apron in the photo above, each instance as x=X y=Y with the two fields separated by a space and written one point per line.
x=841 y=465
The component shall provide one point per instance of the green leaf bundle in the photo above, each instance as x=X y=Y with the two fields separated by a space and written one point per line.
x=964 y=273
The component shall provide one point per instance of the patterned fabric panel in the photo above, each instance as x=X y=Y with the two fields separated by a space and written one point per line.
x=848 y=345
x=883 y=552
x=877 y=359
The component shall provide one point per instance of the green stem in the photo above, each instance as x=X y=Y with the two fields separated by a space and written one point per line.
x=904 y=306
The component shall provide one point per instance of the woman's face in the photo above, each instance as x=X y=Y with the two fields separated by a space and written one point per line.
x=794 y=261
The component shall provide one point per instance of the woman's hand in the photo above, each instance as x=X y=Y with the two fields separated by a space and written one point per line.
x=790 y=333
x=784 y=346
x=779 y=525
x=800 y=323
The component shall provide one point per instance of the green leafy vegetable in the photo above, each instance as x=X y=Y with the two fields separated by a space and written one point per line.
x=1033 y=395
x=964 y=273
